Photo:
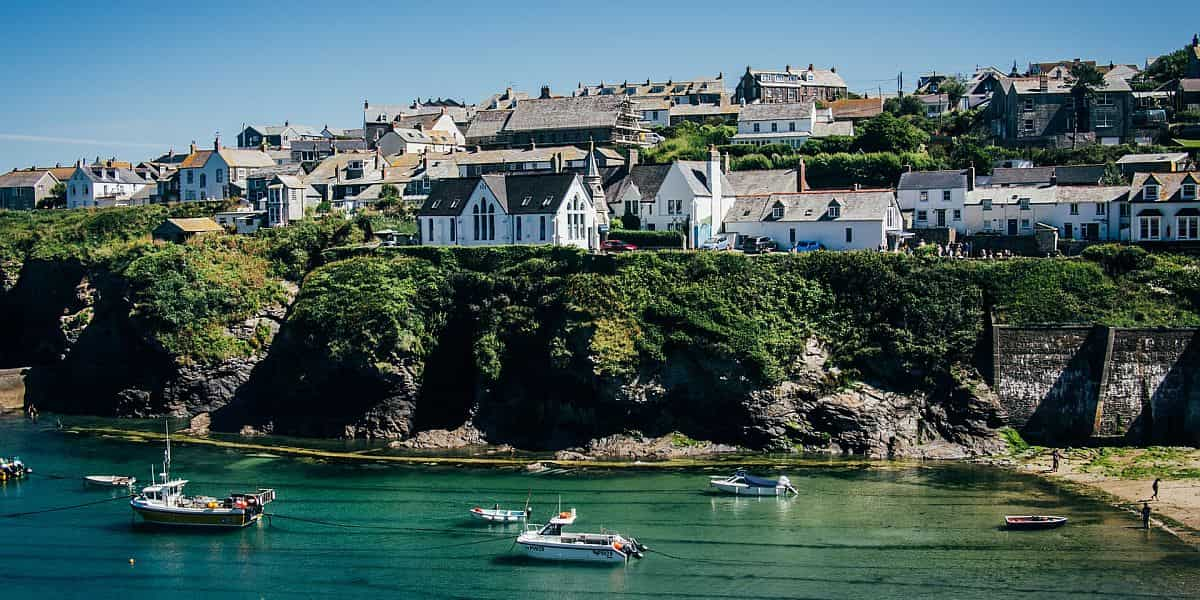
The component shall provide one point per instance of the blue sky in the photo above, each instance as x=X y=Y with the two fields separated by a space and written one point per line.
x=133 y=78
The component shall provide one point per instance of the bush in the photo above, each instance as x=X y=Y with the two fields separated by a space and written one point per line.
x=1188 y=116
x=1119 y=260
x=750 y=162
x=648 y=239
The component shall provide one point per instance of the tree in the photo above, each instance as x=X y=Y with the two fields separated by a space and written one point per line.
x=954 y=90
x=1113 y=175
x=1087 y=81
x=57 y=197
x=886 y=133
x=906 y=105
x=1168 y=67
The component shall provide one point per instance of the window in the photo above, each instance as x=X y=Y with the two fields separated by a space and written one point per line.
x=1103 y=119
x=1124 y=211
x=436 y=203
x=190 y=177
x=1068 y=231
x=946 y=196
x=987 y=224
x=756 y=128
x=849 y=235
x=774 y=127
x=792 y=236
x=220 y=175
x=431 y=230
x=1101 y=208
x=1074 y=208
x=777 y=212
x=548 y=200
x=987 y=204
x=203 y=180
x=1103 y=99
x=1189 y=191
x=526 y=200
x=1027 y=104
x=1027 y=125
x=834 y=211
x=1024 y=223
x=957 y=215
x=519 y=219
x=924 y=196
x=1150 y=192
x=1023 y=203
x=922 y=215
x=453 y=229
x=791 y=126
x=1187 y=228
x=1148 y=228
x=542 y=228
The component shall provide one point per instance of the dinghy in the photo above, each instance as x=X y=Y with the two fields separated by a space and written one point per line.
x=1033 y=521
x=116 y=481
x=742 y=483
x=499 y=515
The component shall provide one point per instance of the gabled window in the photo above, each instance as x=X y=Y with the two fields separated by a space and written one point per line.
x=835 y=211
x=777 y=212
x=1150 y=192
x=1188 y=191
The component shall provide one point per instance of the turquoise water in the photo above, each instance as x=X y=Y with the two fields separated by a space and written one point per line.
x=884 y=532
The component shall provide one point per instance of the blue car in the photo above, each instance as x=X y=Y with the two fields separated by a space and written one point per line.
x=807 y=246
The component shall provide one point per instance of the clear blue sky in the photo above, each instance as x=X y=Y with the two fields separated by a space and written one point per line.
x=132 y=78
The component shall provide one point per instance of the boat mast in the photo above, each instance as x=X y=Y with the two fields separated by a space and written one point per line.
x=167 y=454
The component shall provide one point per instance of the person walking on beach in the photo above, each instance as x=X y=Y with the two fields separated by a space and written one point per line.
x=1154 y=486
x=1145 y=515
x=1054 y=457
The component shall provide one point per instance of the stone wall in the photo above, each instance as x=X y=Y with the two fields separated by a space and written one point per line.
x=1075 y=383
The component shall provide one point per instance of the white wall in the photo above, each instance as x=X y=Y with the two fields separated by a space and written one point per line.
x=911 y=200
x=215 y=188
x=1168 y=224
x=865 y=235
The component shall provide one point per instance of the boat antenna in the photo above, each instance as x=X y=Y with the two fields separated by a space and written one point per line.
x=528 y=497
x=167 y=454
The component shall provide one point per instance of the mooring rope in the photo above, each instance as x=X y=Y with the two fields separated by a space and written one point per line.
x=62 y=508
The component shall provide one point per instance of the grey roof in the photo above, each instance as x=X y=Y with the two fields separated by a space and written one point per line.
x=576 y=112
x=290 y=181
x=271 y=171
x=279 y=129
x=487 y=123
x=868 y=205
x=646 y=178
x=1069 y=194
x=530 y=193
x=539 y=154
x=695 y=173
x=776 y=111
x=411 y=136
x=343 y=145
x=821 y=78
x=1079 y=174
x=693 y=110
x=933 y=180
x=1030 y=176
x=100 y=174
x=1152 y=158
x=23 y=179
x=763 y=182
x=447 y=197
x=823 y=129
x=1170 y=186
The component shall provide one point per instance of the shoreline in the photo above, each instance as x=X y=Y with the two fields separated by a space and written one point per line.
x=1112 y=476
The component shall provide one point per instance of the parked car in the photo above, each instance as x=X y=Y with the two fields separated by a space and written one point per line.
x=807 y=246
x=617 y=246
x=720 y=242
x=758 y=245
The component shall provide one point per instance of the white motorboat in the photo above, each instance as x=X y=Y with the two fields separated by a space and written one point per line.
x=550 y=542
x=116 y=481
x=499 y=515
x=742 y=483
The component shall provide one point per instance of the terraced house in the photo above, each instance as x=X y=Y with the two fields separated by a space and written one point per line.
x=1165 y=207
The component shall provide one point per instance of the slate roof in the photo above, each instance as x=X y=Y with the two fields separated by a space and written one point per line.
x=775 y=111
x=1030 y=176
x=696 y=110
x=695 y=173
x=654 y=88
x=933 y=180
x=1079 y=174
x=823 y=129
x=426 y=121
x=111 y=175
x=1152 y=158
x=246 y=158
x=539 y=154
x=411 y=136
x=447 y=197
x=1170 y=185
x=273 y=170
x=348 y=145
x=537 y=193
x=487 y=123
x=575 y=112
x=821 y=78
x=763 y=181
x=862 y=205
x=290 y=181
x=859 y=108
x=1080 y=194
x=647 y=178
x=23 y=179
x=279 y=129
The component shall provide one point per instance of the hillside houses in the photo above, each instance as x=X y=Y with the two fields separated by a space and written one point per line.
x=218 y=174
x=790 y=85
x=106 y=184
x=787 y=123
x=24 y=189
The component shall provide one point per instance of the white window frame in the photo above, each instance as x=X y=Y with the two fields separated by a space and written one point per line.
x=1150 y=228
x=1187 y=227
x=1074 y=208
x=1150 y=192
x=1188 y=191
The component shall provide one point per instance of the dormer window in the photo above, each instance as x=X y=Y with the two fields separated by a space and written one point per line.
x=1150 y=192
x=777 y=211
x=548 y=200
x=454 y=203
x=835 y=211
x=435 y=203
x=1189 y=191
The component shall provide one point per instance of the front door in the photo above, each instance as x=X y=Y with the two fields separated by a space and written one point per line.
x=941 y=217
x=1012 y=227
x=1091 y=231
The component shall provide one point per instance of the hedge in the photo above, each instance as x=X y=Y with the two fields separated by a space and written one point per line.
x=648 y=239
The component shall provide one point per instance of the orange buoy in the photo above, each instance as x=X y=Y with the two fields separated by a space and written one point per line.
x=617 y=546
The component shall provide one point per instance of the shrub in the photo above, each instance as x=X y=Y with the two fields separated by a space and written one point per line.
x=648 y=239
x=1118 y=259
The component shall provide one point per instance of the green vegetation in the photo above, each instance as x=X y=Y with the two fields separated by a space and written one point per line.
x=1134 y=463
x=648 y=239
x=1012 y=438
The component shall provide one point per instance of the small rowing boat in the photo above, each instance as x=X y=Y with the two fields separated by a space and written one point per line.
x=1033 y=521
x=110 y=481
x=499 y=515
x=550 y=542
x=742 y=483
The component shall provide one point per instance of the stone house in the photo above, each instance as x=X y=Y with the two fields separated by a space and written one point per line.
x=605 y=120
x=790 y=85
x=1040 y=111
x=181 y=230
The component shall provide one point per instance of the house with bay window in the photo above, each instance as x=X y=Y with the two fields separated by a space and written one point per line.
x=1165 y=207
x=506 y=209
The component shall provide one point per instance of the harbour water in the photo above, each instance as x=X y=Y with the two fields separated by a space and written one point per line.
x=887 y=531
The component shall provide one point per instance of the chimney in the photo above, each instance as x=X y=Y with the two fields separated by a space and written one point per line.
x=725 y=162
x=833 y=69
x=366 y=105
x=217 y=143
x=971 y=178
x=532 y=144
x=634 y=156
x=787 y=68
x=1053 y=179
x=714 y=174
x=810 y=67
x=192 y=147
x=857 y=186
x=556 y=162
x=545 y=92
x=425 y=162
x=801 y=177
x=1043 y=83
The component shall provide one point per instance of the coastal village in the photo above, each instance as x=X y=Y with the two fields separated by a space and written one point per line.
x=1035 y=161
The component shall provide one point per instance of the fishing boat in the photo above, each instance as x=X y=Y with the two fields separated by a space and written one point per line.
x=109 y=481
x=742 y=483
x=550 y=542
x=1033 y=521
x=499 y=515
x=13 y=468
x=164 y=503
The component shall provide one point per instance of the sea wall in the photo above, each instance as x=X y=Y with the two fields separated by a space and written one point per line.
x=1077 y=383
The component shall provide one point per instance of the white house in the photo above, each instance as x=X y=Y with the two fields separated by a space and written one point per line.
x=936 y=198
x=1165 y=207
x=414 y=141
x=218 y=174
x=1078 y=212
x=635 y=194
x=656 y=112
x=504 y=209
x=694 y=197
x=101 y=185
x=287 y=199
x=786 y=123
x=836 y=219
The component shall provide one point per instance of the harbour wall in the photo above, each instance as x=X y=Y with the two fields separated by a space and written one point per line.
x=1108 y=384
x=12 y=389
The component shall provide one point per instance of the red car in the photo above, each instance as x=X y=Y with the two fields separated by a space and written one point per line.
x=617 y=246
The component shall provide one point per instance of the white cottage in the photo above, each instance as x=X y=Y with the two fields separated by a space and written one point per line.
x=100 y=185
x=936 y=198
x=218 y=174
x=500 y=209
x=835 y=219
x=694 y=197
x=1165 y=207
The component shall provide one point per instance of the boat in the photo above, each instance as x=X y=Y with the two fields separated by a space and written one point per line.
x=1033 y=521
x=550 y=542
x=111 y=481
x=742 y=483
x=164 y=503
x=499 y=515
x=13 y=468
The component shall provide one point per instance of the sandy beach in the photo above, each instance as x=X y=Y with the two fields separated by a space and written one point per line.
x=1125 y=476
